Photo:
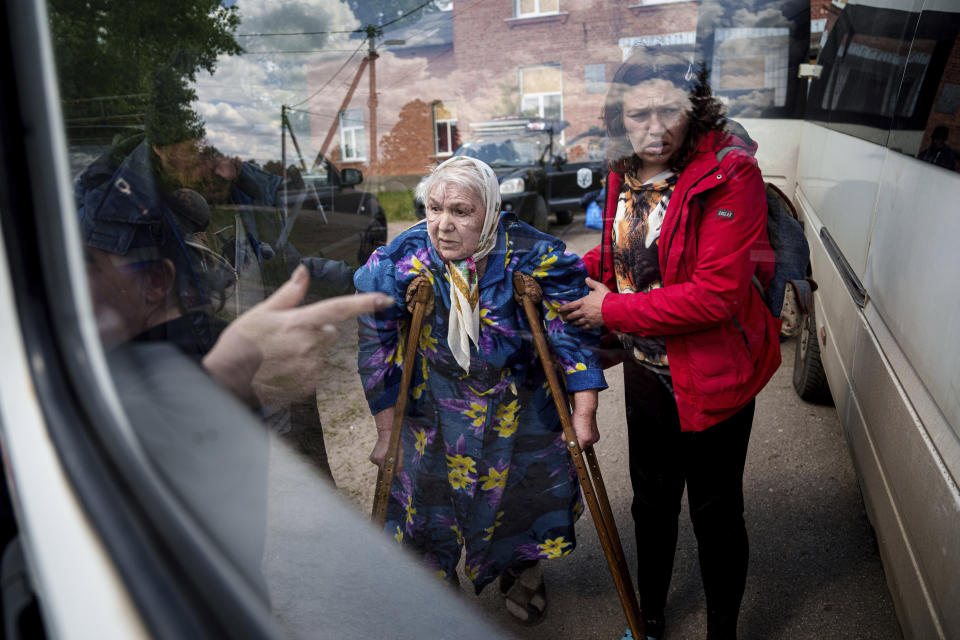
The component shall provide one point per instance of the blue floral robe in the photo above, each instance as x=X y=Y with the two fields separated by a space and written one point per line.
x=484 y=463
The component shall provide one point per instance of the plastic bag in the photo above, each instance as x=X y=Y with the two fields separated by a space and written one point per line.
x=594 y=216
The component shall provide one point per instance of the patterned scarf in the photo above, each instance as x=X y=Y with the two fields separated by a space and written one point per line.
x=650 y=200
x=463 y=324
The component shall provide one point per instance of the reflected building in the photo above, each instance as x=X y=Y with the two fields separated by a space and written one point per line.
x=546 y=58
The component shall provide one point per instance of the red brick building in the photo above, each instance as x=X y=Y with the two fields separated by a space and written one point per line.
x=550 y=58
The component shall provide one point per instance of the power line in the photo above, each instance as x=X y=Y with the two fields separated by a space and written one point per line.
x=331 y=78
x=409 y=13
x=296 y=33
x=319 y=33
x=257 y=53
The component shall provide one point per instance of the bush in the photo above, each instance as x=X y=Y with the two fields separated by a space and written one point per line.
x=398 y=205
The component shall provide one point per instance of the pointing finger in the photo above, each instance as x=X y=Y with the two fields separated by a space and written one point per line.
x=291 y=293
x=342 y=308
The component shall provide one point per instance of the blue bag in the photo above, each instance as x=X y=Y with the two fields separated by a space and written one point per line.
x=594 y=216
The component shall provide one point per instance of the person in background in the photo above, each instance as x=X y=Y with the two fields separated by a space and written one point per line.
x=939 y=152
x=684 y=236
x=257 y=197
x=156 y=288
x=153 y=278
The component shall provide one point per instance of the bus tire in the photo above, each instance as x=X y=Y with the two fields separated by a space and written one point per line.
x=809 y=379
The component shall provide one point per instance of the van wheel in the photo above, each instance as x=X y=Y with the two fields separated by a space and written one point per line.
x=541 y=221
x=809 y=379
x=564 y=217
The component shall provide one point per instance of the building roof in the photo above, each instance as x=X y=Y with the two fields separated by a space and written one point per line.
x=433 y=29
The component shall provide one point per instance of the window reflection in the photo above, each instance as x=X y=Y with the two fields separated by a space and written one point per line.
x=212 y=161
x=889 y=76
x=754 y=49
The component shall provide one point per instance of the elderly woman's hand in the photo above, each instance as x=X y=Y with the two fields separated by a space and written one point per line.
x=587 y=312
x=384 y=422
x=585 y=417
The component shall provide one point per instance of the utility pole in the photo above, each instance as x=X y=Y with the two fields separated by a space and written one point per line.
x=372 y=33
x=283 y=155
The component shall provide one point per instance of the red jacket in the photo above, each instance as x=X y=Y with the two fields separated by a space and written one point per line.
x=722 y=341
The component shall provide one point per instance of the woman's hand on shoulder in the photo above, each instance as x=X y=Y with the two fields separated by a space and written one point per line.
x=587 y=312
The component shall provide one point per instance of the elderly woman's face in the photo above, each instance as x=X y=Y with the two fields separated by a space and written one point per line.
x=655 y=119
x=454 y=220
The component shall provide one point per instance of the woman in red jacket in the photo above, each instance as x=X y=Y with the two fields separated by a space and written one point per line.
x=684 y=238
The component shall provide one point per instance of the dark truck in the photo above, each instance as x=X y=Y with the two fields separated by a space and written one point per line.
x=327 y=223
x=537 y=176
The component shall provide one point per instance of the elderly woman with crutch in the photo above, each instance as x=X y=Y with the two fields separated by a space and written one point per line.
x=483 y=463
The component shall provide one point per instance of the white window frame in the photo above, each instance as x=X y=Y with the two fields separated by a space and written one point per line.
x=541 y=96
x=349 y=135
x=449 y=123
x=536 y=11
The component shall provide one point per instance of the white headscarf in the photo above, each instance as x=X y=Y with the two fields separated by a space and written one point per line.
x=464 y=321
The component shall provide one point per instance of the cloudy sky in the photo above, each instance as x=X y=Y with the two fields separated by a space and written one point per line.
x=240 y=103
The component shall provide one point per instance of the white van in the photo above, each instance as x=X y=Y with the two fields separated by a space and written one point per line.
x=879 y=191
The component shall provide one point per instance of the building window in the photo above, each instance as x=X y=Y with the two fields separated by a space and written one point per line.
x=751 y=68
x=525 y=8
x=445 y=135
x=541 y=92
x=353 y=136
x=595 y=77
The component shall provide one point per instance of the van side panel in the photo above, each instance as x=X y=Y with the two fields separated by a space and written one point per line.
x=918 y=498
x=840 y=176
x=912 y=272
x=906 y=454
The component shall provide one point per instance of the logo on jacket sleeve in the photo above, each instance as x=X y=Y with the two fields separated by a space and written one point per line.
x=726 y=214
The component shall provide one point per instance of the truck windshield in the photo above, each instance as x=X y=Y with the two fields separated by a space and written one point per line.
x=515 y=148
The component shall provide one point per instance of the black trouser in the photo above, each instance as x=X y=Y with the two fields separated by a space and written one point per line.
x=710 y=463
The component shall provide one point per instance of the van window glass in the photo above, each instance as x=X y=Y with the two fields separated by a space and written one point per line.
x=926 y=123
x=866 y=56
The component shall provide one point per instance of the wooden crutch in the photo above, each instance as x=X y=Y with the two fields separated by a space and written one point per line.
x=420 y=300
x=528 y=293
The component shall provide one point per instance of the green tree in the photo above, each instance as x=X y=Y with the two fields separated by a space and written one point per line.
x=133 y=62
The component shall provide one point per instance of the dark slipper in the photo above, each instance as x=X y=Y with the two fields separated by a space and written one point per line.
x=525 y=595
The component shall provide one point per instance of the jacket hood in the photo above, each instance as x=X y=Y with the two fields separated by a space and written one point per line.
x=734 y=136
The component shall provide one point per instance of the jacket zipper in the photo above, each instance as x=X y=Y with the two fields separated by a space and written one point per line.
x=666 y=256
x=743 y=334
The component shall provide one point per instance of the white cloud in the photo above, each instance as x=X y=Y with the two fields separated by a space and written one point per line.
x=221 y=113
x=240 y=103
